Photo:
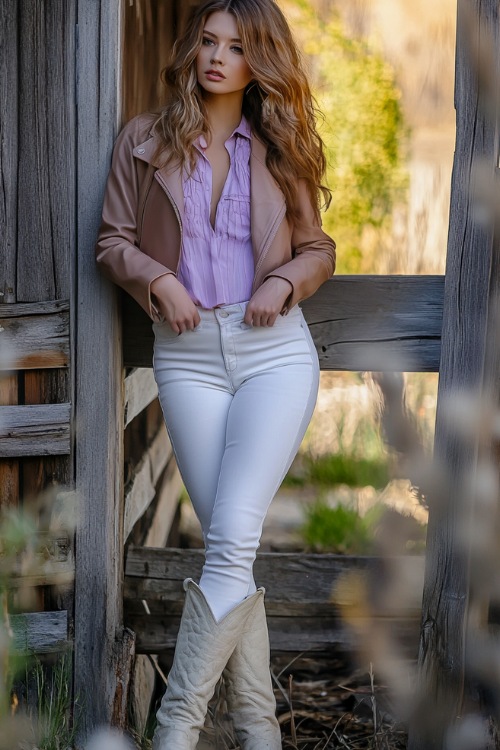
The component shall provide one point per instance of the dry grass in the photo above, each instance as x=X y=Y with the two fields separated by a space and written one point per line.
x=323 y=704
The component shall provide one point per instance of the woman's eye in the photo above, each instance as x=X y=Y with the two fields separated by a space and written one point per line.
x=206 y=41
x=238 y=50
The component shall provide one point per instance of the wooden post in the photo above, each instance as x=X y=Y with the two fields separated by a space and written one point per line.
x=99 y=378
x=447 y=588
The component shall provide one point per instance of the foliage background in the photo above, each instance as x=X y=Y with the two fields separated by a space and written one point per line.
x=363 y=128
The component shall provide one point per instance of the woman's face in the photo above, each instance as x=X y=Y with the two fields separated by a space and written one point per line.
x=221 y=67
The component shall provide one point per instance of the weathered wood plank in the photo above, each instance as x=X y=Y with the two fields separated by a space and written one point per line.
x=99 y=382
x=125 y=653
x=140 y=391
x=40 y=430
x=304 y=612
x=140 y=493
x=35 y=342
x=357 y=323
x=141 y=691
x=286 y=634
x=9 y=468
x=40 y=632
x=447 y=590
x=23 y=309
x=9 y=133
x=168 y=495
x=46 y=166
x=293 y=582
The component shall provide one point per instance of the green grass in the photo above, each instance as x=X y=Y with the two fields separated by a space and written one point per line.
x=333 y=469
x=340 y=530
x=55 y=729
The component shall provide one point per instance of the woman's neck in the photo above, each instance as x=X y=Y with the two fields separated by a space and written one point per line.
x=224 y=114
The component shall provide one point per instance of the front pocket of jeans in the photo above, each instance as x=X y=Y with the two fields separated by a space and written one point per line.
x=165 y=335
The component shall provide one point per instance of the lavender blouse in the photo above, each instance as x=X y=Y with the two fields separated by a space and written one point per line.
x=216 y=265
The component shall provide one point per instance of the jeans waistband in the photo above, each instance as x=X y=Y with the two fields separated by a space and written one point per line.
x=224 y=312
x=233 y=312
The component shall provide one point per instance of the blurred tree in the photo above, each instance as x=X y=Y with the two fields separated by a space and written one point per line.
x=364 y=131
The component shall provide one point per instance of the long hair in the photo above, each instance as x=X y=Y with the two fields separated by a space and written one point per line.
x=278 y=102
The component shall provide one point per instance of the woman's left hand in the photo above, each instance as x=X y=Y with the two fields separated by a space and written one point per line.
x=267 y=302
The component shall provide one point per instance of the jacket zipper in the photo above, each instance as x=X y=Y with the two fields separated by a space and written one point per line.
x=176 y=210
x=142 y=207
x=272 y=234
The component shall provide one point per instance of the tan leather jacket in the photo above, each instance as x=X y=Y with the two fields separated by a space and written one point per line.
x=141 y=229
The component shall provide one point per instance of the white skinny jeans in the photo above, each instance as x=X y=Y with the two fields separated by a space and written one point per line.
x=237 y=401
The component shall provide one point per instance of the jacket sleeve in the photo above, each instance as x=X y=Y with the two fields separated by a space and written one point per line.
x=117 y=254
x=313 y=251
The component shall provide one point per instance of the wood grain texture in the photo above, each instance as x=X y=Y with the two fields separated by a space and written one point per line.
x=446 y=599
x=140 y=390
x=40 y=430
x=378 y=323
x=125 y=655
x=34 y=341
x=291 y=580
x=46 y=162
x=142 y=488
x=302 y=603
x=168 y=496
x=99 y=381
x=40 y=632
x=9 y=130
x=9 y=468
x=286 y=634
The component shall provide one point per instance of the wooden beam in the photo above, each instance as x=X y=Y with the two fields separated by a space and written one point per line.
x=34 y=341
x=472 y=282
x=157 y=575
x=303 y=606
x=382 y=323
x=40 y=632
x=46 y=199
x=140 y=391
x=9 y=147
x=168 y=494
x=26 y=309
x=142 y=489
x=40 y=430
x=99 y=377
x=157 y=633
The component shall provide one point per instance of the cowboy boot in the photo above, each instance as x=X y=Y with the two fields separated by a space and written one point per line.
x=249 y=690
x=202 y=651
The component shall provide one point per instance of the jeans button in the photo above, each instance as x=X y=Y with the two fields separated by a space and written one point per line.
x=224 y=314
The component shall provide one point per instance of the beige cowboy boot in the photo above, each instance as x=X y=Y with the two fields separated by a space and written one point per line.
x=202 y=651
x=249 y=689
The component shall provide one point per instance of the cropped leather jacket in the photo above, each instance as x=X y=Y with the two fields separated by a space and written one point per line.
x=140 y=237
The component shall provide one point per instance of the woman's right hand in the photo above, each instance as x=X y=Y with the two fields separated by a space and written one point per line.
x=174 y=303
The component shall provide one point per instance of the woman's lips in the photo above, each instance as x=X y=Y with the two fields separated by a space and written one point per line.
x=214 y=75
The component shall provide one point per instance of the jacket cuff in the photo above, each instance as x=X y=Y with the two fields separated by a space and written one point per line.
x=154 y=312
x=286 y=306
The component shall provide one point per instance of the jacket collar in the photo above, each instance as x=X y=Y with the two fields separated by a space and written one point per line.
x=266 y=199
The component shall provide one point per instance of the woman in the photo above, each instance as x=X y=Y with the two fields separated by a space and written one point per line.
x=211 y=222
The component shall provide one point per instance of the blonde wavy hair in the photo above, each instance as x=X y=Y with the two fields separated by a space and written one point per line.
x=278 y=102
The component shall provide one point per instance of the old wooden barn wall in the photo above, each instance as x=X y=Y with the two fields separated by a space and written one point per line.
x=37 y=240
